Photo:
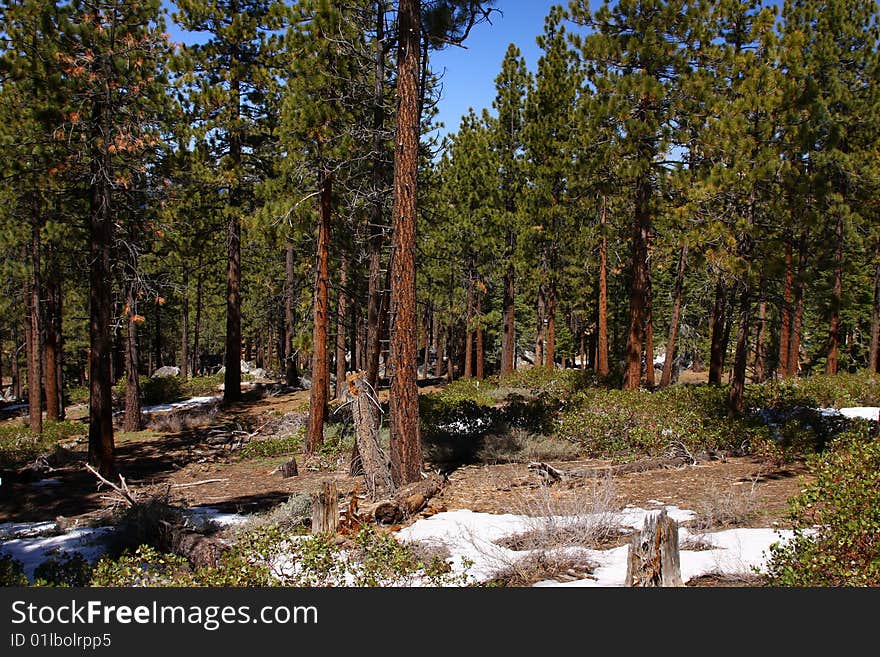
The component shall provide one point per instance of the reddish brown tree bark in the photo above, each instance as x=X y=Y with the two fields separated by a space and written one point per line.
x=874 y=353
x=320 y=330
x=479 y=337
x=718 y=343
x=406 y=444
x=786 y=314
x=602 y=325
x=638 y=302
x=133 y=420
x=341 y=305
x=52 y=377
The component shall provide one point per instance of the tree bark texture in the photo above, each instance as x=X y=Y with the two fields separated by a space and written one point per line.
x=654 y=558
x=602 y=325
x=341 y=307
x=638 y=300
x=675 y=318
x=718 y=344
x=406 y=446
x=320 y=363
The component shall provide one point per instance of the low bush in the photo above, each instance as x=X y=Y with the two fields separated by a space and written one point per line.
x=68 y=569
x=11 y=571
x=18 y=446
x=837 y=517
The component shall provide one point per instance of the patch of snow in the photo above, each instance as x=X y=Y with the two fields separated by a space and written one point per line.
x=202 y=515
x=475 y=425
x=33 y=551
x=862 y=412
x=472 y=539
x=186 y=403
x=26 y=529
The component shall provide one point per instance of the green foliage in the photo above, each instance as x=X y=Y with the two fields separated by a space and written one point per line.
x=11 y=572
x=274 y=446
x=146 y=566
x=65 y=569
x=18 y=446
x=465 y=390
x=837 y=539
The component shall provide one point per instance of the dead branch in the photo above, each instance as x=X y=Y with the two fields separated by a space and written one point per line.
x=122 y=490
x=198 y=483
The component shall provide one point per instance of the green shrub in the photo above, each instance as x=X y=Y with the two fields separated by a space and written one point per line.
x=466 y=390
x=18 y=446
x=837 y=540
x=146 y=566
x=203 y=386
x=274 y=446
x=559 y=383
x=11 y=572
x=65 y=569
x=77 y=395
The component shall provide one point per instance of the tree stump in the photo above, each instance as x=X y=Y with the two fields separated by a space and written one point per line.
x=289 y=469
x=325 y=509
x=374 y=462
x=653 y=554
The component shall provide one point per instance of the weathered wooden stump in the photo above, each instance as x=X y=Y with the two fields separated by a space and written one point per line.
x=289 y=469
x=325 y=509
x=653 y=554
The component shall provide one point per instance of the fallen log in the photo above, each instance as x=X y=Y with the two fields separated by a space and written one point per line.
x=201 y=551
x=368 y=455
x=408 y=500
x=551 y=475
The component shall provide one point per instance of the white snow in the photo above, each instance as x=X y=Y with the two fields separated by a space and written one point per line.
x=186 y=403
x=32 y=550
x=201 y=515
x=854 y=412
x=472 y=540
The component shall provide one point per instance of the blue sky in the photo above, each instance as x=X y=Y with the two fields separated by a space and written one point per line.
x=469 y=73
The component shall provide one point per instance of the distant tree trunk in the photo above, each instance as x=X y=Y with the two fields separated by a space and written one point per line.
x=550 y=352
x=508 y=313
x=738 y=380
x=649 y=330
x=469 y=333
x=831 y=364
x=35 y=325
x=760 y=347
x=133 y=417
x=874 y=355
x=54 y=383
x=794 y=348
x=786 y=315
x=101 y=445
x=438 y=364
x=320 y=366
x=428 y=339
x=678 y=289
x=341 y=304
x=13 y=364
x=375 y=294
x=450 y=358
x=184 y=329
x=541 y=313
x=602 y=326
x=406 y=445
x=718 y=343
x=639 y=289
x=232 y=374
x=157 y=338
x=479 y=345
x=291 y=376
x=197 y=328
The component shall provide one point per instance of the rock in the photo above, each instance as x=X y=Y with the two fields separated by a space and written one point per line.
x=168 y=370
x=258 y=373
x=246 y=367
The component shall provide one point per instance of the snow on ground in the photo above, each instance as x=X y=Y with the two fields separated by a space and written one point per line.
x=472 y=538
x=186 y=403
x=32 y=543
x=854 y=412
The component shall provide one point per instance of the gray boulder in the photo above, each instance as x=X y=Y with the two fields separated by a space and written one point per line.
x=168 y=370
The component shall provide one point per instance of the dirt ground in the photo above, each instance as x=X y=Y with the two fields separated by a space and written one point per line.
x=742 y=491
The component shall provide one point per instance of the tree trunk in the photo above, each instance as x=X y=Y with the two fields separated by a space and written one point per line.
x=406 y=445
x=133 y=418
x=649 y=328
x=479 y=345
x=794 y=343
x=374 y=462
x=320 y=365
x=35 y=334
x=197 y=329
x=738 y=380
x=760 y=347
x=639 y=285
x=550 y=351
x=101 y=445
x=184 y=329
x=541 y=313
x=786 y=315
x=325 y=509
x=469 y=333
x=874 y=354
x=53 y=382
x=831 y=364
x=341 y=304
x=666 y=377
x=508 y=312
x=602 y=326
x=291 y=376
x=450 y=353
x=232 y=374
x=438 y=364
x=428 y=339
x=718 y=344
x=375 y=294
x=13 y=364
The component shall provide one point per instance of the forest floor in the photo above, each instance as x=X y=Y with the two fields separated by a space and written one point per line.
x=186 y=463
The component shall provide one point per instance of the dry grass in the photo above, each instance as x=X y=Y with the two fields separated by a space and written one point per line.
x=734 y=506
x=183 y=420
x=520 y=446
